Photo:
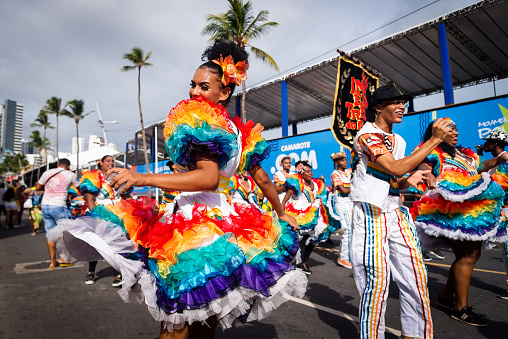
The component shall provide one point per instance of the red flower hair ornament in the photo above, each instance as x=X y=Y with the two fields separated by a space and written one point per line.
x=232 y=73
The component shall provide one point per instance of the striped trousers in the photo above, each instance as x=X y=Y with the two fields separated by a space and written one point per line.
x=384 y=244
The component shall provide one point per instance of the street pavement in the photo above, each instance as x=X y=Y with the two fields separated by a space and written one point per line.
x=36 y=302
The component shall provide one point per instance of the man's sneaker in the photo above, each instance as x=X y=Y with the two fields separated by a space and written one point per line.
x=449 y=304
x=344 y=263
x=304 y=268
x=90 y=278
x=437 y=254
x=118 y=281
x=426 y=257
x=503 y=295
x=467 y=316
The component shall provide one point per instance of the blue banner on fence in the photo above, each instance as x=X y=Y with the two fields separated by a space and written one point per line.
x=314 y=147
x=162 y=168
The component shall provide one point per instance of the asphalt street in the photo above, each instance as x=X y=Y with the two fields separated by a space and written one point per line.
x=37 y=302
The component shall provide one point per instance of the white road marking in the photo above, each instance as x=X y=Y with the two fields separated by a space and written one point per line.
x=338 y=313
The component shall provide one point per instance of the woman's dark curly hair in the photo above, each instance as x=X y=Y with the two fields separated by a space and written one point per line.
x=445 y=147
x=224 y=48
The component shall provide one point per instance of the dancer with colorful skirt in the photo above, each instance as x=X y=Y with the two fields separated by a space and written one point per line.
x=495 y=144
x=210 y=262
x=243 y=190
x=461 y=208
x=304 y=201
x=35 y=211
x=78 y=205
x=97 y=191
x=385 y=242
x=340 y=205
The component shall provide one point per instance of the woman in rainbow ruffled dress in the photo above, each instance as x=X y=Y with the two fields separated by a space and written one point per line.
x=243 y=190
x=209 y=262
x=305 y=200
x=462 y=206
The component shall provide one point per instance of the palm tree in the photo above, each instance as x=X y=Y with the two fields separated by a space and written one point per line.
x=41 y=143
x=53 y=106
x=139 y=60
x=43 y=121
x=15 y=163
x=240 y=25
x=77 y=108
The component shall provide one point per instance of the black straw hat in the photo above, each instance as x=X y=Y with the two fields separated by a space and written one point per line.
x=387 y=93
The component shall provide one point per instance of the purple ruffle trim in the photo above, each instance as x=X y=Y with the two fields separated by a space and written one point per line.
x=245 y=276
x=194 y=147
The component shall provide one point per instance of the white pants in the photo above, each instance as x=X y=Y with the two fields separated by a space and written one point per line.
x=344 y=209
x=385 y=243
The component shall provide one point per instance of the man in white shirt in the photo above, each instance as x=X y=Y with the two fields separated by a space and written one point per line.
x=279 y=177
x=384 y=236
x=343 y=206
x=56 y=183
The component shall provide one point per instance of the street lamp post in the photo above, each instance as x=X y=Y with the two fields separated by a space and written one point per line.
x=101 y=123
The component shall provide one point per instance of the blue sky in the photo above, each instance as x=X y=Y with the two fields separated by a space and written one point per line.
x=73 y=49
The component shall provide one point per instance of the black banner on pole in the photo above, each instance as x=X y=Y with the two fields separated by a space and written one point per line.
x=355 y=86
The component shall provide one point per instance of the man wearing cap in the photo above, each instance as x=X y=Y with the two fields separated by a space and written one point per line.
x=343 y=206
x=384 y=236
x=495 y=143
x=279 y=178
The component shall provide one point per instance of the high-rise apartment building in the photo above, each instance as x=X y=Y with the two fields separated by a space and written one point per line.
x=95 y=142
x=27 y=148
x=11 y=126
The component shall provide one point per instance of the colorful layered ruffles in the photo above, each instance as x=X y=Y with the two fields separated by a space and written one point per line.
x=236 y=266
x=309 y=208
x=208 y=258
x=94 y=182
x=168 y=197
x=464 y=206
x=197 y=125
x=254 y=147
x=91 y=181
x=78 y=205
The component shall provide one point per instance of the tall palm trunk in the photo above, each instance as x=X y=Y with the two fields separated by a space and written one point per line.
x=77 y=147
x=38 y=171
x=57 y=156
x=149 y=193
x=243 y=112
x=45 y=151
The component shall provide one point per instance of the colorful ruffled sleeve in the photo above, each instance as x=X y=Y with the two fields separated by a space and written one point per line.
x=322 y=192
x=295 y=182
x=91 y=182
x=196 y=125
x=436 y=160
x=73 y=191
x=232 y=185
x=254 y=146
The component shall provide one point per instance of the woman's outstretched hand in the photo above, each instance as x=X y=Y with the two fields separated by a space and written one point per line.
x=125 y=176
x=290 y=220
